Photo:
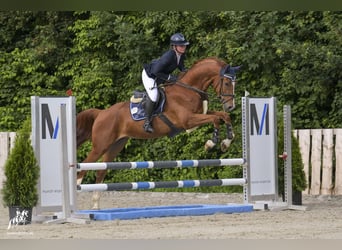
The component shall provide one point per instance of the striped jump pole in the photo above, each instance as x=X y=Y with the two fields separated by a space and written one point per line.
x=161 y=184
x=160 y=164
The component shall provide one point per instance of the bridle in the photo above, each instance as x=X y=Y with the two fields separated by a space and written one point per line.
x=204 y=95
x=232 y=78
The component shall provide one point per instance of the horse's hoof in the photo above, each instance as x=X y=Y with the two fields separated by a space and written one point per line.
x=95 y=207
x=225 y=145
x=209 y=145
x=96 y=200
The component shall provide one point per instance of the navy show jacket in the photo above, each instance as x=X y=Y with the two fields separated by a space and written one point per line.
x=160 y=69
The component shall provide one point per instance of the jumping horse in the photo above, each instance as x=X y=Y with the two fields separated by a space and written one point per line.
x=110 y=129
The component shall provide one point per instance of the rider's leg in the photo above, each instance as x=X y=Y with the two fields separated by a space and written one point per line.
x=149 y=105
x=151 y=99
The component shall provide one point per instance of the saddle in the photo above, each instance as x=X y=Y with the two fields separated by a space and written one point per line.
x=137 y=101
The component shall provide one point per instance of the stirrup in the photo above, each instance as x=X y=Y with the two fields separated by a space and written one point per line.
x=148 y=128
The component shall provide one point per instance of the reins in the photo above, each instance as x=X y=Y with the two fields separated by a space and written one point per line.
x=204 y=95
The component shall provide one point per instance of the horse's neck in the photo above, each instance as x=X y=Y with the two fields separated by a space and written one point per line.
x=200 y=78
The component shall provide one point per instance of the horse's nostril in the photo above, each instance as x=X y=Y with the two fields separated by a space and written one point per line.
x=230 y=108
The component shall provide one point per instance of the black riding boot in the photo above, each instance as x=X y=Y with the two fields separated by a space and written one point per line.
x=149 y=105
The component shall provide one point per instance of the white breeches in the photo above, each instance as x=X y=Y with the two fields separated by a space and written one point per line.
x=150 y=86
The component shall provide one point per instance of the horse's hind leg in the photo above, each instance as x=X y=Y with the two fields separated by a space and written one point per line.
x=93 y=156
x=80 y=176
x=100 y=174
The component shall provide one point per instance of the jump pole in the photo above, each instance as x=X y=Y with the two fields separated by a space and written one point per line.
x=160 y=164
x=161 y=184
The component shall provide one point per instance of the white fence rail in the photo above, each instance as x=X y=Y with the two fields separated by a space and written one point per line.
x=321 y=151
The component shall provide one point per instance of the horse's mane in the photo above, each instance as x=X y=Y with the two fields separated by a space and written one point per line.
x=208 y=59
x=212 y=59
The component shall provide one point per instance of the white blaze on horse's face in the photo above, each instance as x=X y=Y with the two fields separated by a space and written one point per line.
x=232 y=107
x=227 y=93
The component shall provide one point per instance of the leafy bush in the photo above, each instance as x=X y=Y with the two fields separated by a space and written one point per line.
x=22 y=172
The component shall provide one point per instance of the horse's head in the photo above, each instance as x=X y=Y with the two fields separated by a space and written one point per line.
x=215 y=72
x=225 y=87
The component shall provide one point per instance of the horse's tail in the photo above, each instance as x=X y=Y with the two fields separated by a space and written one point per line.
x=84 y=125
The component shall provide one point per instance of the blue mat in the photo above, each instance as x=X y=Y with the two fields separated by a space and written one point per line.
x=164 y=211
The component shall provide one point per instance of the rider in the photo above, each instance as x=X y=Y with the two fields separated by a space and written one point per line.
x=159 y=71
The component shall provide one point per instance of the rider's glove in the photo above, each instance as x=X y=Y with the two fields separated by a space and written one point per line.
x=172 y=78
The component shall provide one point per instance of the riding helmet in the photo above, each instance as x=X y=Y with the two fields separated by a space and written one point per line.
x=178 y=39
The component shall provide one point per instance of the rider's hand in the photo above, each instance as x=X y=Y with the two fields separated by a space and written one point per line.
x=172 y=78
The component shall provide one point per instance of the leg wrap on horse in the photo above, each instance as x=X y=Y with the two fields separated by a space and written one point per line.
x=216 y=136
x=230 y=133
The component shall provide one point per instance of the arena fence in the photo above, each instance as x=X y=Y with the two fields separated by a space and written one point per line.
x=321 y=151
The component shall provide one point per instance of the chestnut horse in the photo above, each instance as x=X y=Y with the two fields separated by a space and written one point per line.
x=110 y=129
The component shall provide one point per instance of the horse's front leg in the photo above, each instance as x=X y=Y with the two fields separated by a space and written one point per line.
x=214 y=140
x=225 y=144
x=214 y=117
x=229 y=131
x=227 y=141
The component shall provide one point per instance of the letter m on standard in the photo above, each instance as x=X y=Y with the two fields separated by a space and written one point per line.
x=47 y=123
x=264 y=122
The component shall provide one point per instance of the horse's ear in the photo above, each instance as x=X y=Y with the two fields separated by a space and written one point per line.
x=229 y=70
x=224 y=70
x=237 y=68
x=233 y=70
